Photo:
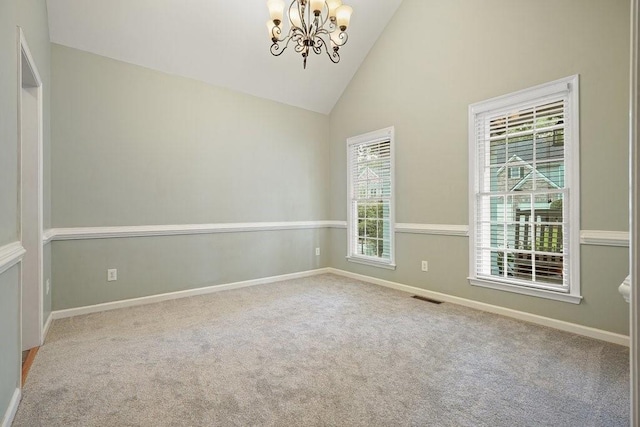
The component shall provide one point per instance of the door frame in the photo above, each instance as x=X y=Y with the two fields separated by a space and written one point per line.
x=24 y=53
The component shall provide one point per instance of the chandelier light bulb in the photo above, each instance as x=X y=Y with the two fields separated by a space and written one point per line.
x=276 y=9
x=317 y=6
x=333 y=6
x=343 y=16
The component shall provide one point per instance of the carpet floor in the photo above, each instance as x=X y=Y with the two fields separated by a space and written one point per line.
x=320 y=351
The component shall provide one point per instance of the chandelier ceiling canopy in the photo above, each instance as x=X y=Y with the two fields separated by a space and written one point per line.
x=313 y=26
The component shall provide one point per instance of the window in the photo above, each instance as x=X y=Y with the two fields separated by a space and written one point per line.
x=515 y=173
x=370 y=220
x=524 y=215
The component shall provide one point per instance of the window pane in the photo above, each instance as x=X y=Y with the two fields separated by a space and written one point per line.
x=550 y=176
x=497 y=152
x=522 y=266
x=491 y=208
x=550 y=145
x=520 y=122
x=550 y=115
x=519 y=236
x=521 y=149
x=497 y=264
x=497 y=236
x=549 y=269
x=497 y=179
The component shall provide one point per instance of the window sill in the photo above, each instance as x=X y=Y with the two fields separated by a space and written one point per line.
x=372 y=263
x=540 y=293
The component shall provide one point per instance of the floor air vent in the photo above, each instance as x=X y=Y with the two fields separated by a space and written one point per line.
x=433 y=301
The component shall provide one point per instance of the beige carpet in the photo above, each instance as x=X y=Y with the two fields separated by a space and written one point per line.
x=322 y=351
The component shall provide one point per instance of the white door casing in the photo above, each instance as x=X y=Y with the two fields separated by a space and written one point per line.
x=30 y=134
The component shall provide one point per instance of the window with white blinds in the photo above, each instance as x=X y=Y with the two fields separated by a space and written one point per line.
x=371 y=205
x=525 y=223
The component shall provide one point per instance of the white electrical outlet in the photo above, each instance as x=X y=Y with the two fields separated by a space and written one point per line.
x=112 y=274
x=317 y=251
x=425 y=266
x=48 y=287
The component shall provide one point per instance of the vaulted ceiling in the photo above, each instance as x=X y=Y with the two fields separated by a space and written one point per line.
x=221 y=42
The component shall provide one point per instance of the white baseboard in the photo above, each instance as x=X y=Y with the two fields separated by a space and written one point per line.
x=61 y=314
x=45 y=330
x=520 y=315
x=12 y=409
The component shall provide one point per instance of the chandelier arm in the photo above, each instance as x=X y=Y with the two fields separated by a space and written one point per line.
x=277 y=49
x=299 y=48
x=332 y=53
x=289 y=14
x=276 y=32
x=342 y=37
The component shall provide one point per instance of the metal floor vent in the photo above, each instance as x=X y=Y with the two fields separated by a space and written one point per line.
x=433 y=301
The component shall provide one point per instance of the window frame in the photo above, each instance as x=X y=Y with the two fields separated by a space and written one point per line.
x=352 y=223
x=568 y=88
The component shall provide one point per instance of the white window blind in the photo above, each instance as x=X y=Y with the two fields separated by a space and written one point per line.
x=523 y=215
x=370 y=220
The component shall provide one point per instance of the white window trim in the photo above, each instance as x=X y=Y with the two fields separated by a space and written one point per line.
x=572 y=183
x=352 y=256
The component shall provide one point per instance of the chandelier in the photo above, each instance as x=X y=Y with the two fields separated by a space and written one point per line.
x=314 y=26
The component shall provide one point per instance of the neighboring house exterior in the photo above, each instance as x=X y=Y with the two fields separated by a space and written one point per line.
x=369 y=184
x=373 y=211
x=533 y=221
x=519 y=175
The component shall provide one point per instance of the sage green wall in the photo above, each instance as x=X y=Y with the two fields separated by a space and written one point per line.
x=155 y=265
x=10 y=333
x=432 y=61
x=8 y=124
x=132 y=146
x=31 y=15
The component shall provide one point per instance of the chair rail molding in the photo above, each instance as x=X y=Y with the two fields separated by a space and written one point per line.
x=437 y=229
x=604 y=238
x=587 y=237
x=10 y=255
x=47 y=236
x=80 y=233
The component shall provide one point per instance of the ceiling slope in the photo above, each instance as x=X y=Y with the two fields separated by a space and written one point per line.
x=224 y=43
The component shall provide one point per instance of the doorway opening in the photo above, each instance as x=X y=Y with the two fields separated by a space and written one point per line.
x=30 y=131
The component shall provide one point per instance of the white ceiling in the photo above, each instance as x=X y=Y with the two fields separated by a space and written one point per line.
x=221 y=42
